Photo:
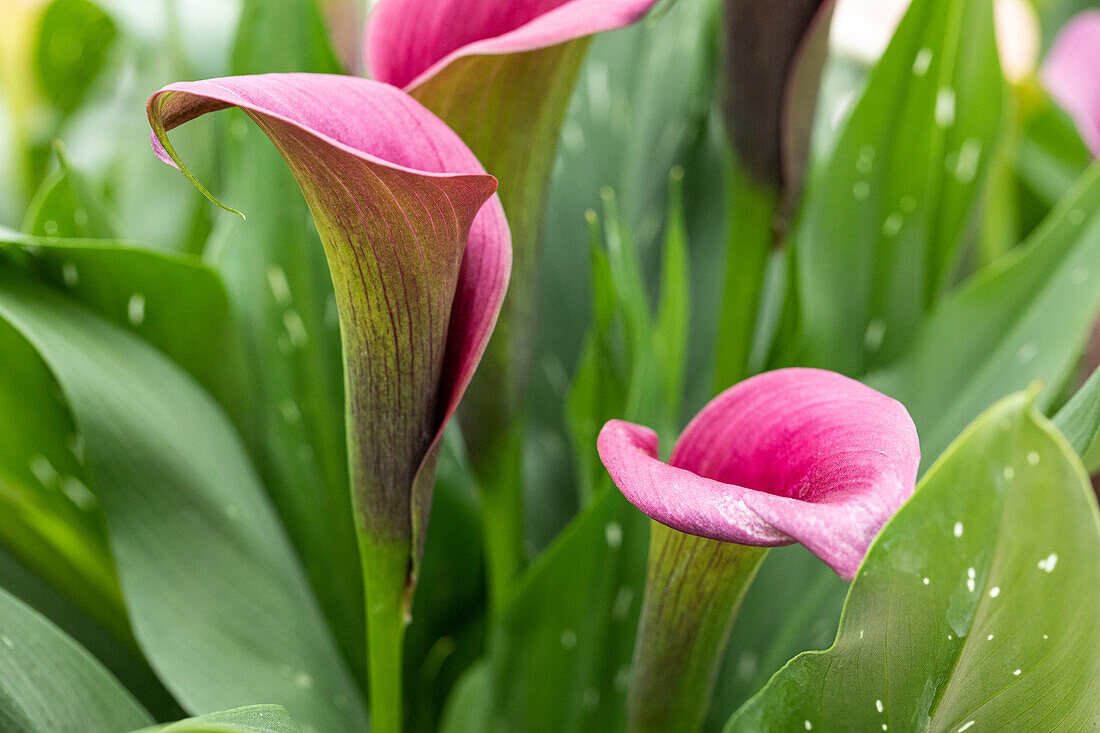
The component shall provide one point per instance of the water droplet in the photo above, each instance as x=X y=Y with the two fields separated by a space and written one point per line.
x=622 y=679
x=1033 y=459
x=50 y=227
x=295 y=328
x=280 y=287
x=7 y=641
x=572 y=137
x=1027 y=352
x=994 y=591
x=568 y=638
x=878 y=705
x=43 y=470
x=809 y=725
x=303 y=680
x=80 y=217
x=945 y=107
x=893 y=224
x=876 y=332
x=866 y=160
x=69 y=274
x=290 y=410
x=1080 y=275
x=591 y=698
x=922 y=61
x=926 y=581
x=1009 y=472
x=1017 y=673
x=861 y=190
x=989 y=638
x=908 y=204
x=135 y=309
x=966 y=167
x=1047 y=563
x=965 y=726
x=613 y=533
x=78 y=493
x=958 y=529
x=623 y=599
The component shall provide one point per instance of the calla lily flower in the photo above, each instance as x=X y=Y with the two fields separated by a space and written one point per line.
x=1071 y=73
x=794 y=455
x=500 y=73
x=420 y=255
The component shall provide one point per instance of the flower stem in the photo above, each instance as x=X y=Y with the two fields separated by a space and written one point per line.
x=385 y=575
x=694 y=587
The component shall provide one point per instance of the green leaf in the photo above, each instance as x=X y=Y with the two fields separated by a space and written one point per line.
x=1079 y=421
x=885 y=218
x=49 y=683
x=65 y=205
x=175 y=302
x=1050 y=155
x=281 y=293
x=1024 y=318
x=560 y=655
x=250 y=719
x=74 y=37
x=975 y=607
x=217 y=599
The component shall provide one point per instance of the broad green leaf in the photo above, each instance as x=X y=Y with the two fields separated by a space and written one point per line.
x=67 y=206
x=1050 y=155
x=885 y=218
x=52 y=521
x=560 y=655
x=217 y=599
x=174 y=302
x=49 y=683
x=281 y=292
x=1079 y=421
x=73 y=39
x=975 y=607
x=250 y=719
x=1024 y=318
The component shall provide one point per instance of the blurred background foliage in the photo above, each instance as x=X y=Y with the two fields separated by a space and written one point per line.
x=636 y=240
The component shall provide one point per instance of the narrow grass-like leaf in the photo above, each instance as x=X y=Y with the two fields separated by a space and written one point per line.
x=976 y=606
x=217 y=599
x=1024 y=318
x=49 y=683
x=885 y=217
x=1079 y=421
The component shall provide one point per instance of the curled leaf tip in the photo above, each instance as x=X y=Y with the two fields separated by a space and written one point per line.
x=794 y=455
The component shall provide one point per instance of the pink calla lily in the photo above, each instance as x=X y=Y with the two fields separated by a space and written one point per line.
x=410 y=41
x=794 y=455
x=1071 y=73
x=419 y=252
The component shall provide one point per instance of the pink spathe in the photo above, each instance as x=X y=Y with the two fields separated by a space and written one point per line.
x=794 y=455
x=419 y=249
x=409 y=41
x=1071 y=73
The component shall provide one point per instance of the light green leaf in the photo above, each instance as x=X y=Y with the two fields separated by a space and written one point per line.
x=49 y=683
x=175 y=302
x=281 y=292
x=885 y=218
x=65 y=205
x=560 y=655
x=1024 y=318
x=216 y=596
x=250 y=719
x=1079 y=421
x=975 y=607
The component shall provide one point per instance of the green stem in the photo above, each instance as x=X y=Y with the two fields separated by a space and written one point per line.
x=385 y=577
x=500 y=481
x=752 y=209
x=694 y=587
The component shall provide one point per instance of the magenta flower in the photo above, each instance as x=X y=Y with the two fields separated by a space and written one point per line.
x=411 y=41
x=1071 y=73
x=794 y=455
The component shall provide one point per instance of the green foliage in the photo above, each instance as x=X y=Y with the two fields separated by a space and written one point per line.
x=967 y=609
x=197 y=547
x=73 y=40
x=251 y=719
x=49 y=683
x=885 y=217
